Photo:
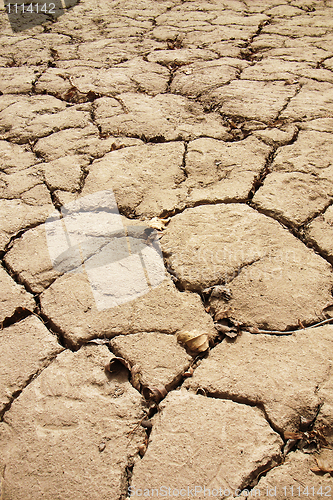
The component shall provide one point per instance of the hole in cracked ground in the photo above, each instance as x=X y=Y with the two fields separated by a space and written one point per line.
x=19 y=314
x=158 y=139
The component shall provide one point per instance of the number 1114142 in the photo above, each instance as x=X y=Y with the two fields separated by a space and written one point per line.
x=26 y=8
x=307 y=491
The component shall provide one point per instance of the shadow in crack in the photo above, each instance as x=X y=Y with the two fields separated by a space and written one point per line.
x=24 y=15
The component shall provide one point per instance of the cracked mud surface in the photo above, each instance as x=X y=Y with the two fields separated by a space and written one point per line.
x=211 y=122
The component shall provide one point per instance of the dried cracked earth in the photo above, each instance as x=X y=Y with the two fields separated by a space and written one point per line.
x=212 y=122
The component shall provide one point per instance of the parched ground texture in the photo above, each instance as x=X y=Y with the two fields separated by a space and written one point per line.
x=212 y=122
